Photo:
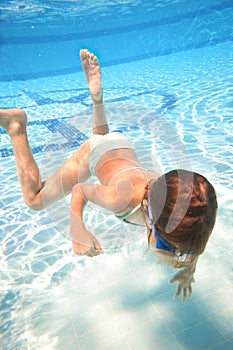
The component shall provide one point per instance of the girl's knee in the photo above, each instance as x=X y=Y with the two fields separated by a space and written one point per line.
x=34 y=204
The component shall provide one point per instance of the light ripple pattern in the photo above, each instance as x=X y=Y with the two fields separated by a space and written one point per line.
x=51 y=299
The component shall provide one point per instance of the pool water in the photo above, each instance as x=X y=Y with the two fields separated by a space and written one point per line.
x=177 y=110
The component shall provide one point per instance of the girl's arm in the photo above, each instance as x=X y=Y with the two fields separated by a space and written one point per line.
x=108 y=197
x=83 y=241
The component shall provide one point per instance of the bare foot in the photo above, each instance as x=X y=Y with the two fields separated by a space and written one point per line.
x=13 y=120
x=91 y=68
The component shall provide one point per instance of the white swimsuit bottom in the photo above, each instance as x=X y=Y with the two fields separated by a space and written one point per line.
x=101 y=144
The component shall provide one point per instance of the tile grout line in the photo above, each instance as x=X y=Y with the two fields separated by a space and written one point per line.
x=71 y=320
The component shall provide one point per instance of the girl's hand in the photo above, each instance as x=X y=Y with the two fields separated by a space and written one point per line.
x=184 y=278
x=86 y=244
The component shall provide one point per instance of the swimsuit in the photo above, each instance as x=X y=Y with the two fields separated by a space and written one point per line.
x=125 y=216
x=101 y=144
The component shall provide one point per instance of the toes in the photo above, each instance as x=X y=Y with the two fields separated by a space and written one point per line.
x=83 y=54
x=87 y=55
x=95 y=60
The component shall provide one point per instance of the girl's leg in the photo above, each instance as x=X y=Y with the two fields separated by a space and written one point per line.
x=91 y=68
x=38 y=195
x=14 y=122
x=76 y=168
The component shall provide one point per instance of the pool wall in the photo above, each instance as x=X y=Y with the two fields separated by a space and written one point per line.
x=32 y=50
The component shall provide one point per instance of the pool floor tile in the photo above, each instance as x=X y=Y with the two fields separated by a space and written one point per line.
x=183 y=317
x=133 y=310
x=224 y=323
x=217 y=301
x=167 y=344
x=147 y=335
x=101 y=337
x=200 y=336
x=225 y=345
x=120 y=344
x=94 y=318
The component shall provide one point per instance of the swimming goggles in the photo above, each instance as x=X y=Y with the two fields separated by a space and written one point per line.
x=161 y=243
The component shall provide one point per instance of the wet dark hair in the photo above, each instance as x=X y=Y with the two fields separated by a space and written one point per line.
x=184 y=208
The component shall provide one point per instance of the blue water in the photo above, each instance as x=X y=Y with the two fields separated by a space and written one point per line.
x=52 y=299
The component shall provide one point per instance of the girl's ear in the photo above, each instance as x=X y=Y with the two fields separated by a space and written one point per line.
x=144 y=203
